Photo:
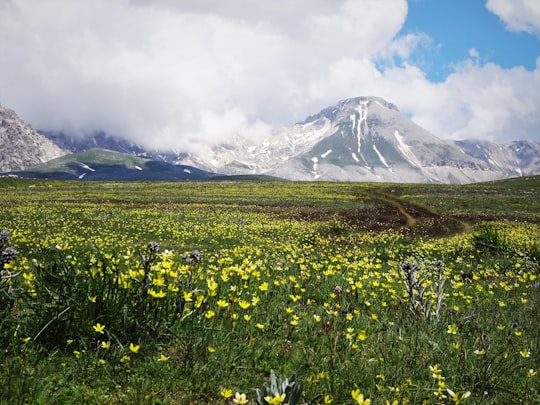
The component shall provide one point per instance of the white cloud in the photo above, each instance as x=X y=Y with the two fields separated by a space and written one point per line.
x=177 y=73
x=518 y=15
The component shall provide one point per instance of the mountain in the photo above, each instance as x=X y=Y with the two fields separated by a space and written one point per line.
x=20 y=145
x=357 y=139
x=368 y=139
x=103 y=164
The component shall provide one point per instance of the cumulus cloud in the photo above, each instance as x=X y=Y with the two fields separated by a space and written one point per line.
x=177 y=73
x=518 y=15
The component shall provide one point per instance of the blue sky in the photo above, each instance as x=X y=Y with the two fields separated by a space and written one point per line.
x=458 y=26
x=181 y=73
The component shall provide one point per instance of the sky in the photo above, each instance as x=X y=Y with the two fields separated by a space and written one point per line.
x=181 y=73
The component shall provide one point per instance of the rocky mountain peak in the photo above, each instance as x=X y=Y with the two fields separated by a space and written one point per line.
x=21 y=146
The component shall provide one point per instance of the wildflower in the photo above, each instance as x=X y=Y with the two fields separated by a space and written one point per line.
x=317 y=318
x=327 y=399
x=264 y=286
x=102 y=362
x=226 y=393
x=362 y=335
x=69 y=341
x=99 y=328
x=211 y=349
x=247 y=318
x=518 y=333
x=276 y=399
x=105 y=345
x=240 y=398
x=531 y=373
x=453 y=329
x=374 y=317
x=456 y=345
x=244 y=304
x=359 y=398
x=26 y=339
x=209 y=314
x=500 y=327
x=222 y=303
x=457 y=397
x=260 y=326
x=479 y=352
x=157 y=294
x=187 y=296
x=92 y=298
x=525 y=353
x=164 y=358
x=125 y=359
x=134 y=348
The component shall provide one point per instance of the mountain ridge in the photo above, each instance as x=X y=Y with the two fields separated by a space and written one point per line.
x=362 y=138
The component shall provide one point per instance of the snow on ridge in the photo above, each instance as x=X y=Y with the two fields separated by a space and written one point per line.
x=138 y=167
x=84 y=166
x=404 y=148
x=325 y=154
x=355 y=157
x=187 y=171
x=383 y=160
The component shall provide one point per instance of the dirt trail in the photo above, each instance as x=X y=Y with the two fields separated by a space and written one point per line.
x=417 y=216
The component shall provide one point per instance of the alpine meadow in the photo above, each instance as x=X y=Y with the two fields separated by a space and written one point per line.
x=269 y=292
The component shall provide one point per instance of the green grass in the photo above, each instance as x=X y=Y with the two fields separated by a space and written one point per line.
x=303 y=279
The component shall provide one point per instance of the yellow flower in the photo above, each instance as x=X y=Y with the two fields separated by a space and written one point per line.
x=362 y=335
x=26 y=339
x=244 y=304
x=69 y=341
x=374 y=317
x=187 y=296
x=359 y=398
x=105 y=345
x=125 y=359
x=211 y=349
x=327 y=399
x=92 y=298
x=209 y=314
x=457 y=397
x=453 y=329
x=479 y=352
x=157 y=294
x=264 y=286
x=99 y=328
x=164 y=358
x=226 y=393
x=260 y=326
x=525 y=353
x=134 y=348
x=222 y=304
x=102 y=362
x=240 y=398
x=500 y=327
x=456 y=345
x=76 y=353
x=247 y=318
x=531 y=373
x=276 y=399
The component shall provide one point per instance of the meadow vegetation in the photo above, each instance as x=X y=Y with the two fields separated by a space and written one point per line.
x=269 y=292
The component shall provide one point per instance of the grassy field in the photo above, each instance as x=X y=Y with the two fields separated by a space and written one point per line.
x=269 y=292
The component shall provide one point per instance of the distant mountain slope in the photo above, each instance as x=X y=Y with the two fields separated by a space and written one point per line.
x=102 y=164
x=366 y=139
x=357 y=139
x=20 y=145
